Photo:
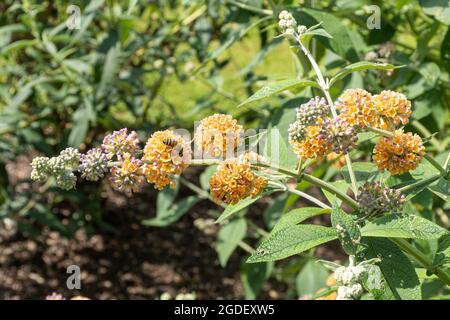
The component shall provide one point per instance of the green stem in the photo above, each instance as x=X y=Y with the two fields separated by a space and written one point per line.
x=421 y=258
x=324 y=293
x=419 y=183
x=315 y=181
x=324 y=85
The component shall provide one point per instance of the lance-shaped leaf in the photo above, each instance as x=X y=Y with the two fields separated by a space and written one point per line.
x=232 y=209
x=403 y=225
x=396 y=268
x=277 y=87
x=346 y=228
x=358 y=66
x=229 y=237
x=175 y=212
x=296 y=216
x=290 y=241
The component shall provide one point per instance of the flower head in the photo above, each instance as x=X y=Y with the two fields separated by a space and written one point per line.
x=374 y=199
x=66 y=180
x=312 y=145
x=40 y=168
x=357 y=107
x=286 y=22
x=400 y=153
x=128 y=177
x=94 y=165
x=394 y=107
x=120 y=142
x=339 y=134
x=71 y=157
x=167 y=155
x=218 y=133
x=310 y=113
x=235 y=180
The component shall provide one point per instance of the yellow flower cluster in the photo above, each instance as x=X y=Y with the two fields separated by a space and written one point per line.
x=235 y=180
x=400 y=153
x=357 y=107
x=216 y=133
x=313 y=145
x=385 y=110
x=166 y=155
x=393 y=107
x=128 y=176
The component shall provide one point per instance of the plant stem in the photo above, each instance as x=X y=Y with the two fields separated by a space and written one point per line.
x=422 y=259
x=436 y=165
x=324 y=85
x=315 y=181
x=419 y=183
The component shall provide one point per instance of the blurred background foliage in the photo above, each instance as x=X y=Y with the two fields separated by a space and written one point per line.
x=148 y=65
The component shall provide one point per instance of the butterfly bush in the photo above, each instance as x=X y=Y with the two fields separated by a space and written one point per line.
x=324 y=130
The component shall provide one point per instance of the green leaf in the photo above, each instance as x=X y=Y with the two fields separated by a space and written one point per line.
x=341 y=185
x=80 y=127
x=276 y=150
x=206 y=175
x=109 y=70
x=346 y=228
x=298 y=215
x=318 y=32
x=341 y=43
x=311 y=278
x=232 y=209
x=277 y=87
x=175 y=212
x=358 y=66
x=253 y=276
x=165 y=199
x=403 y=226
x=440 y=9
x=291 y=240
x=364 y=171
x=229 y=237
x=397 y=269
x=442 y=256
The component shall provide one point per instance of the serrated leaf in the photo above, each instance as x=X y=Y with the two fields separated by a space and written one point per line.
x=278 y=87
x=346 y=228
x=403 y=226
x=290 y=241
x=397 y=269
x=296 y=216
x=175 y=212
x=229 y=237
x=358 y=66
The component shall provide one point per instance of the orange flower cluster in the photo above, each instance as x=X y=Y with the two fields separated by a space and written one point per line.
x=357 y=107
x=393 y=107
x=235 y=180
x=385 y=110
x=216 y=133
x=128 y=176
x=400 y=153
x=313 y=145
x=166 y=155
